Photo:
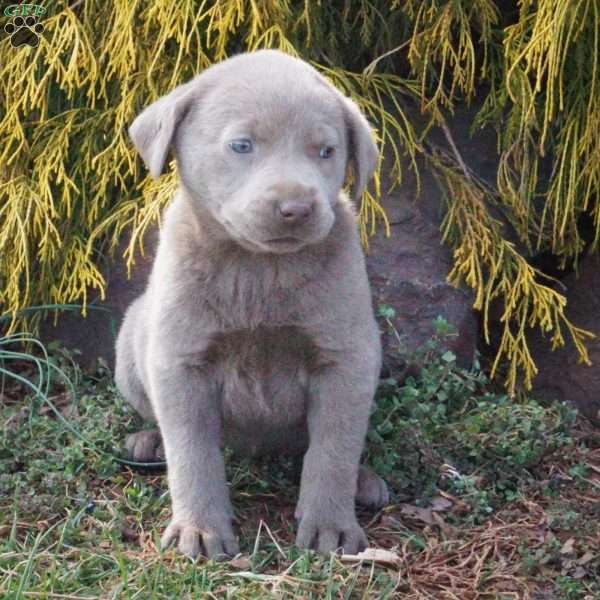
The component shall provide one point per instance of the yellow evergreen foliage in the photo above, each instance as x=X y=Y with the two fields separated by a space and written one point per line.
x=71 y=184
x=491 y=265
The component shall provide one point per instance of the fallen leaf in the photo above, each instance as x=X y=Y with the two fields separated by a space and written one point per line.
x=585 y=559
x=441 y=504
x=567 y=547
x=448 y=471
x=418 y=513
x=439 y=521
x=70 y=411
x=240 y=562
x=129 y=535
x=61 y=402
x=579 y=573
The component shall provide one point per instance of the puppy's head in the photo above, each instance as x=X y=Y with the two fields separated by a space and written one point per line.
x=263 y=142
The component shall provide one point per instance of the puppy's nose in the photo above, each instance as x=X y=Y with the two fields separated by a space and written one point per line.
x=294 y=211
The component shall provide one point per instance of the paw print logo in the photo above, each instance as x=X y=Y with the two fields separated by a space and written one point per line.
x=24 y=31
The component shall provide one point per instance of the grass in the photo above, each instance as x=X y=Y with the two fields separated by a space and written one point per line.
x=492 y=499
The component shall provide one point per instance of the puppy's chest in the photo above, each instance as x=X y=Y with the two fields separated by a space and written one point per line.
x=244 y=293
x=262 y=374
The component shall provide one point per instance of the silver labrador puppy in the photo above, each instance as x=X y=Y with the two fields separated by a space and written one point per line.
x=256 y=329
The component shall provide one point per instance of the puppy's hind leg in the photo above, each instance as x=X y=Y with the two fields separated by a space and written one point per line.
x=143 y=446
x=127 y=372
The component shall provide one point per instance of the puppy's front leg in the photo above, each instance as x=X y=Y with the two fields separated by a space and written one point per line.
x=340 y=400
x=185 y=401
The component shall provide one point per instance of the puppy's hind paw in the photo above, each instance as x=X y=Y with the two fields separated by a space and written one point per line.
x=372 y=491
x=145 y=446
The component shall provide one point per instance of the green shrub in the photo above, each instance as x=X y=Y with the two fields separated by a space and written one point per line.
x=447 y=429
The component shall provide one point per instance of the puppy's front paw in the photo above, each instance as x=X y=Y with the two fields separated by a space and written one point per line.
x=318 y=532
x=215 y=542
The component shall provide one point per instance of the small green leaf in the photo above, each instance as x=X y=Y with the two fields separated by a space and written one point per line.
x=449 y=356
x=386 y=311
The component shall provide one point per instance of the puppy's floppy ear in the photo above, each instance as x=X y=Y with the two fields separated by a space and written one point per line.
x=362 y=150
x=153 y=130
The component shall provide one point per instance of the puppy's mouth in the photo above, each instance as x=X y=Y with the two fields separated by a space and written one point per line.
x=282 y=241
x=283 y=244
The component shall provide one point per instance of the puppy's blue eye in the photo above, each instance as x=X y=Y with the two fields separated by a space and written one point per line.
x=326 y=151
x=242 y=146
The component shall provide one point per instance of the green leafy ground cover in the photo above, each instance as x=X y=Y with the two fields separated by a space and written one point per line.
x=492 y=499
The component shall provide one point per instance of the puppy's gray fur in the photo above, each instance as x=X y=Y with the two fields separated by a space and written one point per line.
x=257 y=327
